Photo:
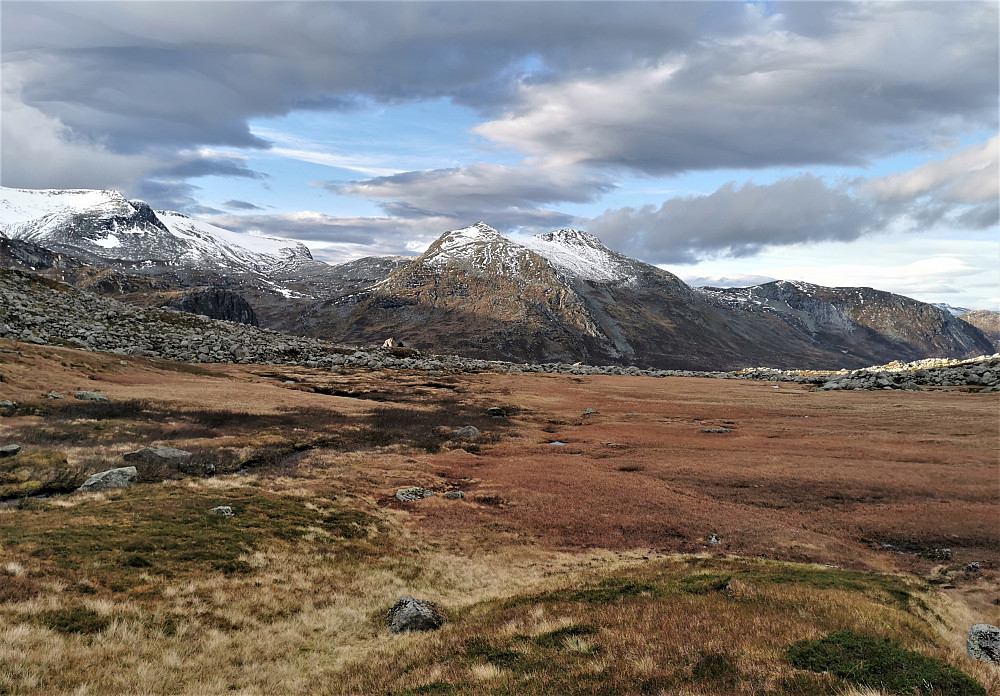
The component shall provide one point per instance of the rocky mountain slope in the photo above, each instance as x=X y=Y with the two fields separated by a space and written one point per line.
x=986 y=321
x=37 y=310
x=867 y=323
x=560 y=296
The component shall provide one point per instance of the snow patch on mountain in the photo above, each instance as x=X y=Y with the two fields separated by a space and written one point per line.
x=954 y=311
x=103 y=226
x=478 y=247
x=581 y=255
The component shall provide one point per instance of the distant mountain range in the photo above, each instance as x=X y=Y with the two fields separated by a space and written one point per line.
x=559 y=296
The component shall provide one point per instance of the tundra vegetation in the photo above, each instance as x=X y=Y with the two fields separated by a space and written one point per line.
x=817 y=546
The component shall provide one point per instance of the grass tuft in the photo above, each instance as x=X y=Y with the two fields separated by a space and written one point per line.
x=880 y=663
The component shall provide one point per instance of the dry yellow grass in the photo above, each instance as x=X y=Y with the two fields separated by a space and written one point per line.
x=144 y=592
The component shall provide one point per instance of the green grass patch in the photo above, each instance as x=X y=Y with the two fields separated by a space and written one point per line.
x=170 y=530
x=880 y=663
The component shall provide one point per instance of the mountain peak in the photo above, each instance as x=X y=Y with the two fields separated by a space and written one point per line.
x=571 y=237
x=582 y=255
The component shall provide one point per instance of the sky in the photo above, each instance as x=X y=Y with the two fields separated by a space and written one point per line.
x=730 y=143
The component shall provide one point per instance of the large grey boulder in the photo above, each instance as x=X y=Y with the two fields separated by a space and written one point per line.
x=984 y=643
x=9 y=450
x=411 y=614
x=91 y=396
x=113 y=478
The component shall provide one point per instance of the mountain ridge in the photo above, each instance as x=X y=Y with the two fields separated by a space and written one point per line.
x=557 y=296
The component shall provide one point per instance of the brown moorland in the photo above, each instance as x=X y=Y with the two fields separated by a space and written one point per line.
x=583 y=567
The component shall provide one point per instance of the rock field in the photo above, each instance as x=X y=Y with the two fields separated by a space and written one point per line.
x=37 y=310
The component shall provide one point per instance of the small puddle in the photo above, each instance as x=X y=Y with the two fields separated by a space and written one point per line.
x=558 y=444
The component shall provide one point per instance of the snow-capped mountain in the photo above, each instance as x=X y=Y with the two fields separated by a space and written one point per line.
x=954 y=311
x=104 y=228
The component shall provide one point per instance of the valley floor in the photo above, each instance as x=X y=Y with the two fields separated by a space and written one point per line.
x=626 y=551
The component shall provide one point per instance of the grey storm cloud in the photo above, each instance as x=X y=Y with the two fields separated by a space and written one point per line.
x=878 y=79
x=742 y=220
x=738 y=221
x=658 y=87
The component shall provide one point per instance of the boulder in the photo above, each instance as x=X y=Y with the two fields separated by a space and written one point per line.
x=9 y=451
x=496 y=412
x=223 y=511
x=157 y=455
x=984 y=643
x=158 y=463
x=590 y=412
x=411 y=614
x=113 y=478
x=455 y=495
x=91 y=396
x=413 y=494
x=468 y=432
x=53 y=394
x=717 y=430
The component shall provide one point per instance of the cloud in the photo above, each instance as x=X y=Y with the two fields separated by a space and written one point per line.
x=240 y=205
x=657 y=87
x=732 y=280
x=869 y=81
x=737 y=221
x=504 y=196
x=969 y=176
x=40 y=151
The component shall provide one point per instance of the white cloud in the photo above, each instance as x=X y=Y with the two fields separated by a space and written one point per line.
x=969 y=176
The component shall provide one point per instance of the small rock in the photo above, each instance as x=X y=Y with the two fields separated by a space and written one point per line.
x=223 y=511
x=717 y=430
x=496 y=412
x=590 y=412
x=984 y=643
x=972 y=567
x=455 y=495
x=91 y=396
x=937 y=554
x=435 y=373
x=8 y=407
x=714 y=540
x=413 y=494
x=468 y=432
x=411 y=614
x=53 y=395
x=113 y=478
x=9 y=451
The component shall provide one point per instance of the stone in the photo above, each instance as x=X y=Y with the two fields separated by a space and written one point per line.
x=496 y=412
x=223 y=511
x=53 y=395
x=411 y=614
x=91 y=396
x=468 y=432
x=717 y=430
x=113 y=478
x=455 y=495
x=9 y=451
x=984 y=643
x=8 y=407
x=591 y=412
x=157 y=455
x=413 y=494
x=714 y=540
x=972 y=567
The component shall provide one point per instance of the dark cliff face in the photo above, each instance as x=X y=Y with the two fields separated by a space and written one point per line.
x=214 y=303
x=986 y=321
x=17 y=253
